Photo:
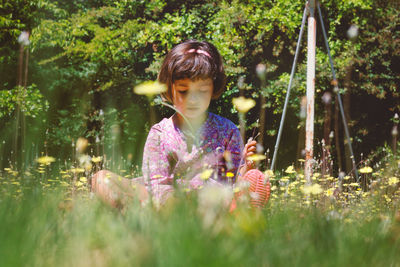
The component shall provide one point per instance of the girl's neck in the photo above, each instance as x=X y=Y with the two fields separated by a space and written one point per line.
x=195 y=124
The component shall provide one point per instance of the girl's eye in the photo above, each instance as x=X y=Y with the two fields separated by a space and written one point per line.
x=182 y=92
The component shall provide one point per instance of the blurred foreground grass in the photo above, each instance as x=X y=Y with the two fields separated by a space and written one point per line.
x=58 y=222
x=48 y=217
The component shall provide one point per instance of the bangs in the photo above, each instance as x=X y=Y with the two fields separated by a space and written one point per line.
x=194 y=67
x=193 y=60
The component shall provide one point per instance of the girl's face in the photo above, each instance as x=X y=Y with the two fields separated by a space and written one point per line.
x=192 y=97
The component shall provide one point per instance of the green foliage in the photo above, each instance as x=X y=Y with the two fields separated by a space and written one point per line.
x=99 y=50
x=30 y=101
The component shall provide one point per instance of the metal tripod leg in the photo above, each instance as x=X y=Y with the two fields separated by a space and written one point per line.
x=336 y=89
x=288 y=89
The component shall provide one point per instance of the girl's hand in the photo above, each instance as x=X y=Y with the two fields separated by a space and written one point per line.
x=249 y=149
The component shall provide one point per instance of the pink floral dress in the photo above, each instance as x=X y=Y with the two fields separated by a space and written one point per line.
x=169 y=162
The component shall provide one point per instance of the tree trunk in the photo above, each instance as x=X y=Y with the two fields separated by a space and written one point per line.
x=337 y=136
x=346 y=107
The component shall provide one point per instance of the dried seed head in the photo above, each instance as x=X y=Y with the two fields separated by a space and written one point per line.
x=261 y=71
x=240 y=83
x=352 y=32
x=327 y=98
x=23 y=38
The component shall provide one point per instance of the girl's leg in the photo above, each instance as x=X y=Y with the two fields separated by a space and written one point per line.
x=116 y=190
x=259 y=189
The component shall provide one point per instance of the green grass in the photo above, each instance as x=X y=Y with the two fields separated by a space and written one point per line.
x=41 y=228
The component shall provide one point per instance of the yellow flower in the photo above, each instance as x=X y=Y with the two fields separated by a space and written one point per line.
x=206 y=174
x=77 y=170
x=290 y=169
x=316 y=175
x=229 y=174
x=329 y=191
x=150 y=88
x=269 y=175
x=284 y=179
x=45 y=160
x=65 y=184
x=83 y=179
x=81 y=144
x=236 y=190
x=366 y=169
x=314 y=189
x=256 y=157
x=243 y=104
x=393 y=180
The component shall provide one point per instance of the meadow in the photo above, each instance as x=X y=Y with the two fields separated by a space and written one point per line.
x=70 y=105
x=49 y=217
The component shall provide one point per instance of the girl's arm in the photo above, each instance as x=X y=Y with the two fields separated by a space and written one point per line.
x=155 y=166
x=239 y=156
x=248 y=150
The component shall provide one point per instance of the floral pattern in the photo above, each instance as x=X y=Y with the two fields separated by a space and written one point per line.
x=169 y=159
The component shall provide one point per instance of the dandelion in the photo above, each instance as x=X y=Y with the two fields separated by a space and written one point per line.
x=284 y=179
x=314 y=189
x=81 y=144
x=393 y=180
x=45 y=160
x=64 y=184
x=243 y=104
x=329 y=191
x=206 y=174
x=366 y=169
x=77 y=170
x=230 y=174
x=290 y=170
x=269 y=173
x=150 y=88
x=256 y=157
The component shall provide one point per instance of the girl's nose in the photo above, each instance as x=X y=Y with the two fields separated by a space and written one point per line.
x=192 y=97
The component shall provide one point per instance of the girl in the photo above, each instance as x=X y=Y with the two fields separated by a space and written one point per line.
x=193 y=146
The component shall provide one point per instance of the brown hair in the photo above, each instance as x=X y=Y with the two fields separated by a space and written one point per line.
x=194 y=60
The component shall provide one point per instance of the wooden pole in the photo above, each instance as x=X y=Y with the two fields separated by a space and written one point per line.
x=311 y=44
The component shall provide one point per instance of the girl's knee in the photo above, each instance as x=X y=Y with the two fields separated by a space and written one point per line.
x=258 y=185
